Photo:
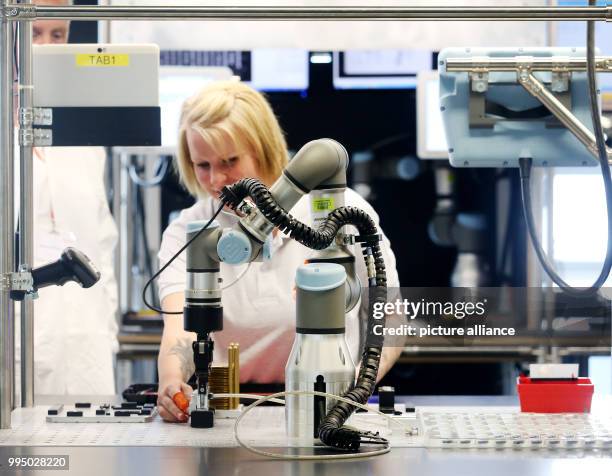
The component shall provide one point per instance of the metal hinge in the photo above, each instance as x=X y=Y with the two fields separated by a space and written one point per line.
x=35 y=137
x=37 y=116
x=43 y=116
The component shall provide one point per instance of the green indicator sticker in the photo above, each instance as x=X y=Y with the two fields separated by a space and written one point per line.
x=322 y=204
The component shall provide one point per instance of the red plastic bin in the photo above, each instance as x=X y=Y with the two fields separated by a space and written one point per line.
x=555 y=396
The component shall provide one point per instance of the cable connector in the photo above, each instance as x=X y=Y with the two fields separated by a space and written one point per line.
x=525 y=167
x=371 y=438
x=228 y=197
x=343 y=438
x=370 y=264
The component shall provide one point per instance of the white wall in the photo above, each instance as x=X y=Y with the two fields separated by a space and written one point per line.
x=325 y=35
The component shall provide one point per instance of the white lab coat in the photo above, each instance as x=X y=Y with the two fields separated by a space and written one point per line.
x=75 y=329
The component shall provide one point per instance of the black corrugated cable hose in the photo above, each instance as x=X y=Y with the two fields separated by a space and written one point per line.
x=331 y=431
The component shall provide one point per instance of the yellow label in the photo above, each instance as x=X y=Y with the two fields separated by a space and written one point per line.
x=323 y=204
x=102 y=60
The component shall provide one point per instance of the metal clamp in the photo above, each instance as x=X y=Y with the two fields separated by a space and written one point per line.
x=479 y=81
x=19 y=11
x=26 y=137
x=10 y=12
x=25 y=117
x=523 y=74
x=560 y=75
x=560 y=81
x=21 y=281
x=246 y=207
x=344 y=239
x=20 y=284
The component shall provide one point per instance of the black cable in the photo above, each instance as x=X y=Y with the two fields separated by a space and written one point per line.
x=134 y=220
x=145 y=238
x=140 y=214
x=144 y=291
x=508 y=234
x=110 y=168
x=160 y=173
x=525 y=165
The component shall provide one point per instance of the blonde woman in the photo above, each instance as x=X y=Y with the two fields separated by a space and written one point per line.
x=228 y=132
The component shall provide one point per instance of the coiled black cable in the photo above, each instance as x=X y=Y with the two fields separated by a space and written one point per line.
x=331 y=430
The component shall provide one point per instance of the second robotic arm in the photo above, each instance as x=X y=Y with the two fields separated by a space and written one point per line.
x=320 y=165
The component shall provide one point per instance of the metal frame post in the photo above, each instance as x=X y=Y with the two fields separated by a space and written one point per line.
x=7 y=224
x=26 y=206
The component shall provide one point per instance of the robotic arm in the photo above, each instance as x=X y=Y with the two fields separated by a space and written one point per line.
x=320 y=166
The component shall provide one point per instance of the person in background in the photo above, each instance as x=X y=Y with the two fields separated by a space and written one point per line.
x=75 y=329
x=228 y=132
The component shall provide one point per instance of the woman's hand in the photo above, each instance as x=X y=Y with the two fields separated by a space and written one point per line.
x=166 y=406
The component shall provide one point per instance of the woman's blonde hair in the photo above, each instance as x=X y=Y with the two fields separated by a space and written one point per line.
x=231 y=109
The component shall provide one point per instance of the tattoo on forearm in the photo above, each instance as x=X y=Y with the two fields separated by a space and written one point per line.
x=184 y=352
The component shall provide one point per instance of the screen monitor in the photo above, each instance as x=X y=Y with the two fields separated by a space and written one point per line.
x=379 y=69
x=265 y=69
x=282 y=69
x=431 y=138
